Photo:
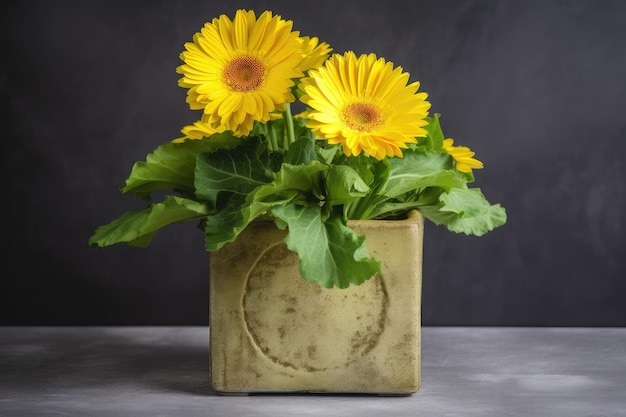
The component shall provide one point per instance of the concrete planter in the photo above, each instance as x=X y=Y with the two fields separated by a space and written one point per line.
x=273 y=331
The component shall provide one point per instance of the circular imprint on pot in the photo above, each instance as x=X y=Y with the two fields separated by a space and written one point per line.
x=303 y=326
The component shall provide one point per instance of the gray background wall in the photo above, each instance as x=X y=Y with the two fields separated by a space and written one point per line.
x=536 y=88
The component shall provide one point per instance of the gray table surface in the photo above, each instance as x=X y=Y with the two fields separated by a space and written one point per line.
x=162 y=371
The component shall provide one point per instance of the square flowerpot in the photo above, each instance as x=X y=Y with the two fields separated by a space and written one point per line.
x=273 y=331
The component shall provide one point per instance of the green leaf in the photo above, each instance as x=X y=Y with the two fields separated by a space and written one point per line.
x=171 y=165
x=435 y=135
x=466 y=211
x=293 y=184
x=397 y=208
x=226 y=225
x=273 y=131
x=326 y=154
x=375 y=174
x=136 y=228
x=222 y=173
x=301 y=179
x=300 y=129
x=366 y=167
x=230 y=180
x=276 y=132
x=343 y=184
x=301 y=151
x=418 y=170
x=330 y=253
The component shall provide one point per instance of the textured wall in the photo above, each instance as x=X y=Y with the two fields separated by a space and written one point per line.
x=536 y=88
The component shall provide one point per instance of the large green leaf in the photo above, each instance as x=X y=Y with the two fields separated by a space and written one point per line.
x=136 y=228
x=227 y=172
x=398 y=207
x=226 y=225
x=418 y=170
x=171 y=165
x=466 y=210
x=330 y=253
x=343 y=184
x=327 y=153
x=302 y=178
x=366 y=167
x=295 y=184
x=301 y=151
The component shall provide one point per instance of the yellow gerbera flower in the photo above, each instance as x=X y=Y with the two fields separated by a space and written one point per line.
x=240 y=71
x=365 y=104
x=314 y=53
x=463 y=156
x=197 y=131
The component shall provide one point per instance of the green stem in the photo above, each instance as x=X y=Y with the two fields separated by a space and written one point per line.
x=357 y=209
x=291 y=135
x=273 y=139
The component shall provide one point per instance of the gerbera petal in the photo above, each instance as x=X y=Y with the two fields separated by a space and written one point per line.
x=314 y=52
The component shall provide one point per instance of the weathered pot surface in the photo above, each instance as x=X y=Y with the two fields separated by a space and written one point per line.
x=273 y=331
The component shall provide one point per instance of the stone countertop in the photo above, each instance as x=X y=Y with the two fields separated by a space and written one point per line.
x=163 y=371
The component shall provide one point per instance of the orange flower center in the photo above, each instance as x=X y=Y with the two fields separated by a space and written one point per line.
x=363 y=117
x=244 y=74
